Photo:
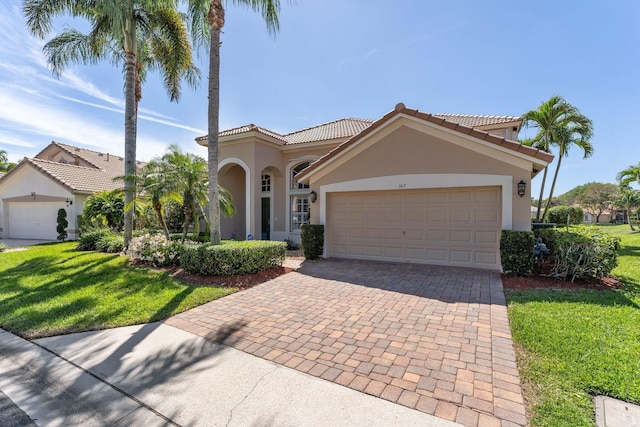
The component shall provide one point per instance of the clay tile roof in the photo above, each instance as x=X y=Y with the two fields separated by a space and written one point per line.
x=342 y=128
x=245 y=129
x=401 y=109
x=78 y=178
x=472 y=120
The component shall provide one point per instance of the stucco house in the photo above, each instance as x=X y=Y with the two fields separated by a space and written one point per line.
x=59 y=176
x=408 y=187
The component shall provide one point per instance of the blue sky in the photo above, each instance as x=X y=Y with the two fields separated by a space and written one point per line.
x=355 y=58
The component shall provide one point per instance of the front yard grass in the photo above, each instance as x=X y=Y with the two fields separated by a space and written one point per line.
x=52 y=289
x=573 y=344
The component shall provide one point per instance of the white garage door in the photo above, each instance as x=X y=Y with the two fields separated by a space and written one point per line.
x=33 y=220
x=451 y=226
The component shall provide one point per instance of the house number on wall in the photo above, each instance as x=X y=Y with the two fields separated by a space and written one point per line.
x=402 y=185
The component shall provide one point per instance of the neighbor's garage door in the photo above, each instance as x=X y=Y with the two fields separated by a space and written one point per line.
x=453 y=226
x=33 y=220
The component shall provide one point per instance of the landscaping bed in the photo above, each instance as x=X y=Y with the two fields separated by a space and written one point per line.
x=576 y=340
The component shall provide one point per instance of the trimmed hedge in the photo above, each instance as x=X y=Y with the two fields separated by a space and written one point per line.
x=516 y=252
x=559 y=214
x=312 y=238
x=233 y=257
x=584 y=252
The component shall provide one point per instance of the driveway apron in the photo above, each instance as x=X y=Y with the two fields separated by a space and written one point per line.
x=435 y=339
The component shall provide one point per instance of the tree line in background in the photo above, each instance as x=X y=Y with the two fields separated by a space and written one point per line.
x=142 y=36
x=597 y=198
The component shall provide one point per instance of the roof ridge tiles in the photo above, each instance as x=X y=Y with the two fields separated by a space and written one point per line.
x=329 y=123
x=35 y=159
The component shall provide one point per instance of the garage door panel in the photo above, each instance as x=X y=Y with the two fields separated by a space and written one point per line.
x=436 y=236
x=435 y=197
x=458 y=226
x=461 y=196
x=436 y=215
x=486 y=215
x=489 y=237
x=463 y=236
x=486 y=258
x=415 y=234
x=461 y=257
x=490 y=196
x=462 y=215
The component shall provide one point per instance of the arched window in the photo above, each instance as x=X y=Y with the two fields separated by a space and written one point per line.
x=295 y=185
x=299 y=199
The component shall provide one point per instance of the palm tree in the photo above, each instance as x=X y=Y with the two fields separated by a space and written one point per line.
x=629 y=175
x=155 y=190
x=628 y=199
x=186 y=174
x=575 y=133
x=141 y=34
x=550 y=118
x=207 y=20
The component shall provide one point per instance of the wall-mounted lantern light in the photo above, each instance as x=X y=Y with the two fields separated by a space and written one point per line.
x=522 y=186
x=69 y=202
x=313 y=197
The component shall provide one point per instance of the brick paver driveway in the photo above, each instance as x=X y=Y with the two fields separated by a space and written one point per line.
x=435 y=339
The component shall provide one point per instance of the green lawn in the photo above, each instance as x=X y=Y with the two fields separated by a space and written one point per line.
x=52 y=289
x=574 y=344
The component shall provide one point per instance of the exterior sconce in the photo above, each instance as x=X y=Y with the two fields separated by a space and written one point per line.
x=313 y=197
x=522 y=186
x=69 y=202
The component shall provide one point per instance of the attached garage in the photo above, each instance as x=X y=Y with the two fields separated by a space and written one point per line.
x=33 y=220
x=446 y=226
x=415 y=188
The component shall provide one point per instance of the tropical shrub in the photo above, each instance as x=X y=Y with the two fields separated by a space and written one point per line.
x=584 y=252
x=105 y=208
x=155 y=249
x=233 y=257
x=516 y=252
x=312 y=237
x=559 y=214
x=110 y=243
x=90 y=236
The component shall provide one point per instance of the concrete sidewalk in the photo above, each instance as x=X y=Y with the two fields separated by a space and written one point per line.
x=155 y=374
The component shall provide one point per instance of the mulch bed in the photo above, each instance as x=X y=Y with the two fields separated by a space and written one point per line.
x=540 y=280
x=242 y=281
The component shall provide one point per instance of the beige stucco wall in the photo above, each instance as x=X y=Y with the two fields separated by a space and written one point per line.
x=233 y=179
x=408 y=151
x=263 y=157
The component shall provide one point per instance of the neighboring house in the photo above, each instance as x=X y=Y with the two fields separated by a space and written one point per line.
x=611 y=215
x=60 y=176
x=409 y=187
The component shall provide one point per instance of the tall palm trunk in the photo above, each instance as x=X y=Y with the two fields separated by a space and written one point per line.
x=544 y=179
x=157 y=207
x=216 y=22
x=629 y=218
x=553 y=186
x=130 y=124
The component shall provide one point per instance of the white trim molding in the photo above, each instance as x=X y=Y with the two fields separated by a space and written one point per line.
x=425 y=181
x=247 y=189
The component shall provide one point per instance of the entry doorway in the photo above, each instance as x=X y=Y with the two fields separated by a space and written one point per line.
x=266 y=218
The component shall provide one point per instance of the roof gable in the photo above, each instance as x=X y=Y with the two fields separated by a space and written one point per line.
x=93 y=172
x=536 y=156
